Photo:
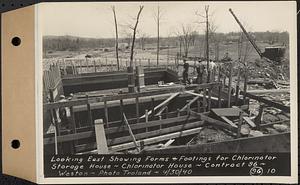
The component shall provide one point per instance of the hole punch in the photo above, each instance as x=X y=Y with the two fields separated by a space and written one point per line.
x=15 y=144
x=16 y=41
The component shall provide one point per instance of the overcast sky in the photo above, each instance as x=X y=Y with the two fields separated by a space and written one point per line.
x=95 y=19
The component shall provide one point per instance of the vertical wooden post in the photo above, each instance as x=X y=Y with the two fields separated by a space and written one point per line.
x=121 y=107
x=95 y=66
x=178 y=112
x=148 y=63
x=73 y=124
x=238 y=134
x=140 y=76
x=146 y=115
x=204 y=102
x=229 y=85
x=137 y=109
x=131 y=80
x=237 y=91
x=209 y=99
x=90 y=118
x=106 y=112
x=258 y=118
x=152 y=109
x=100 y=137
x=219 y=88
x=245 y=84
x=80 y=67
x=140 y=61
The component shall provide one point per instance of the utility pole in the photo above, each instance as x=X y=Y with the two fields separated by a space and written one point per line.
x=207 y=44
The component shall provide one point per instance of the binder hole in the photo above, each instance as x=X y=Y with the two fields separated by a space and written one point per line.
x=16 y=41
x=15 y=144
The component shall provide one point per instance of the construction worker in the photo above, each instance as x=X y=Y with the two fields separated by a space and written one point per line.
x=63 y=113
x=200 y=71
x=185 y=73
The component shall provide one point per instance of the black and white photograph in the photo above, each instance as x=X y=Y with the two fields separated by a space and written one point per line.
x=166 y=88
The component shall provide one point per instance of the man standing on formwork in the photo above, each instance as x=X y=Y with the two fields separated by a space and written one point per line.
x=185 y=73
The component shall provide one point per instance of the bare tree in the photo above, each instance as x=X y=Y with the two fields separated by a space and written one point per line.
x=134 y=28
x=142 y=39
x=186 y=37
x=116 y=42
x=158 y=17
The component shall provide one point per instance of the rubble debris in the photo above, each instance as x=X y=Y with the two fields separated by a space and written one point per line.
x=281 y=127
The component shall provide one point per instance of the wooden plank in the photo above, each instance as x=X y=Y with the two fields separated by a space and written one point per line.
x=161 y=111
x=190 y=103
x=100 y=137
x=149 y=124
x=274 y=143
x=269 y=91
x=268 y=102
x=131 y=133
x=200 y=95
x=228 y=121
x=249 y=121
x=156 y=139
x=127 y=96
x=234 y=111
x=154 y=133
x=162 y=104
x=212 y=121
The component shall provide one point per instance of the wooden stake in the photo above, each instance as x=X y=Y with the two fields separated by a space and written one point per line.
x=106 y=113
x=237 y=91
x=209 y=99
x=152 y=109
x=178 y=112
x=100 y=137
x=95 y=66
x=146 y=115
x=121 y=107
x=90 y=118
x=229 y=85
x=245 y=84
x=137 y=108
x=220 y=88
x=204 y=102
x=258 y=118
x=240 y=125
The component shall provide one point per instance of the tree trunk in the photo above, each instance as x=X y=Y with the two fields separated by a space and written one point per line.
x=117 y=42
x=134 y=35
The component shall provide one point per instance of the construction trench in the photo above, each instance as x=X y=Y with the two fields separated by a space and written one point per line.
x=161 y=115
x=146 y=109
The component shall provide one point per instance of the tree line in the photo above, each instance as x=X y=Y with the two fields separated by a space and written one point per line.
x=72 y=43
